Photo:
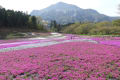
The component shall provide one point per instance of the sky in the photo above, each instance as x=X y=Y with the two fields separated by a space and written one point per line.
x=107 y=7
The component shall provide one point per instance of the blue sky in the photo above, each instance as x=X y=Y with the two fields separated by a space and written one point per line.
x=107 y=7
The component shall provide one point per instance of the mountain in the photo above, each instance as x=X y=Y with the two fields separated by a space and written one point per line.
x=1 y=7
x=65 y=13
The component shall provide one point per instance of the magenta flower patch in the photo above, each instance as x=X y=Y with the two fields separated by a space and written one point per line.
x=67 y=61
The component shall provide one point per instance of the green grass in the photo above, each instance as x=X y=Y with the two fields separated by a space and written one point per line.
x=99 y=35
x=15 y=35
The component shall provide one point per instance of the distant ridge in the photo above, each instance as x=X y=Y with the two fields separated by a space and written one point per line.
x=65 y=13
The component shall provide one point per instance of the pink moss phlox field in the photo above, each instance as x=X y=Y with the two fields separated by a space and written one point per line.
x=67 y=61
x=105 y=38
x=7 y=45
x=9 y=41
x=113 y=41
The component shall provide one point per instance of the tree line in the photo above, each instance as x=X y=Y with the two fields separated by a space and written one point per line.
x=54 y=26
x=16 y=19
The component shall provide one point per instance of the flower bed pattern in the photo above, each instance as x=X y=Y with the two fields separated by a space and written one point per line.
x=68 y=61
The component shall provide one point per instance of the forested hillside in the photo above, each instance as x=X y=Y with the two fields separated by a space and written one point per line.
x=13 y=24
x=17 y=19
x=100 y=28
